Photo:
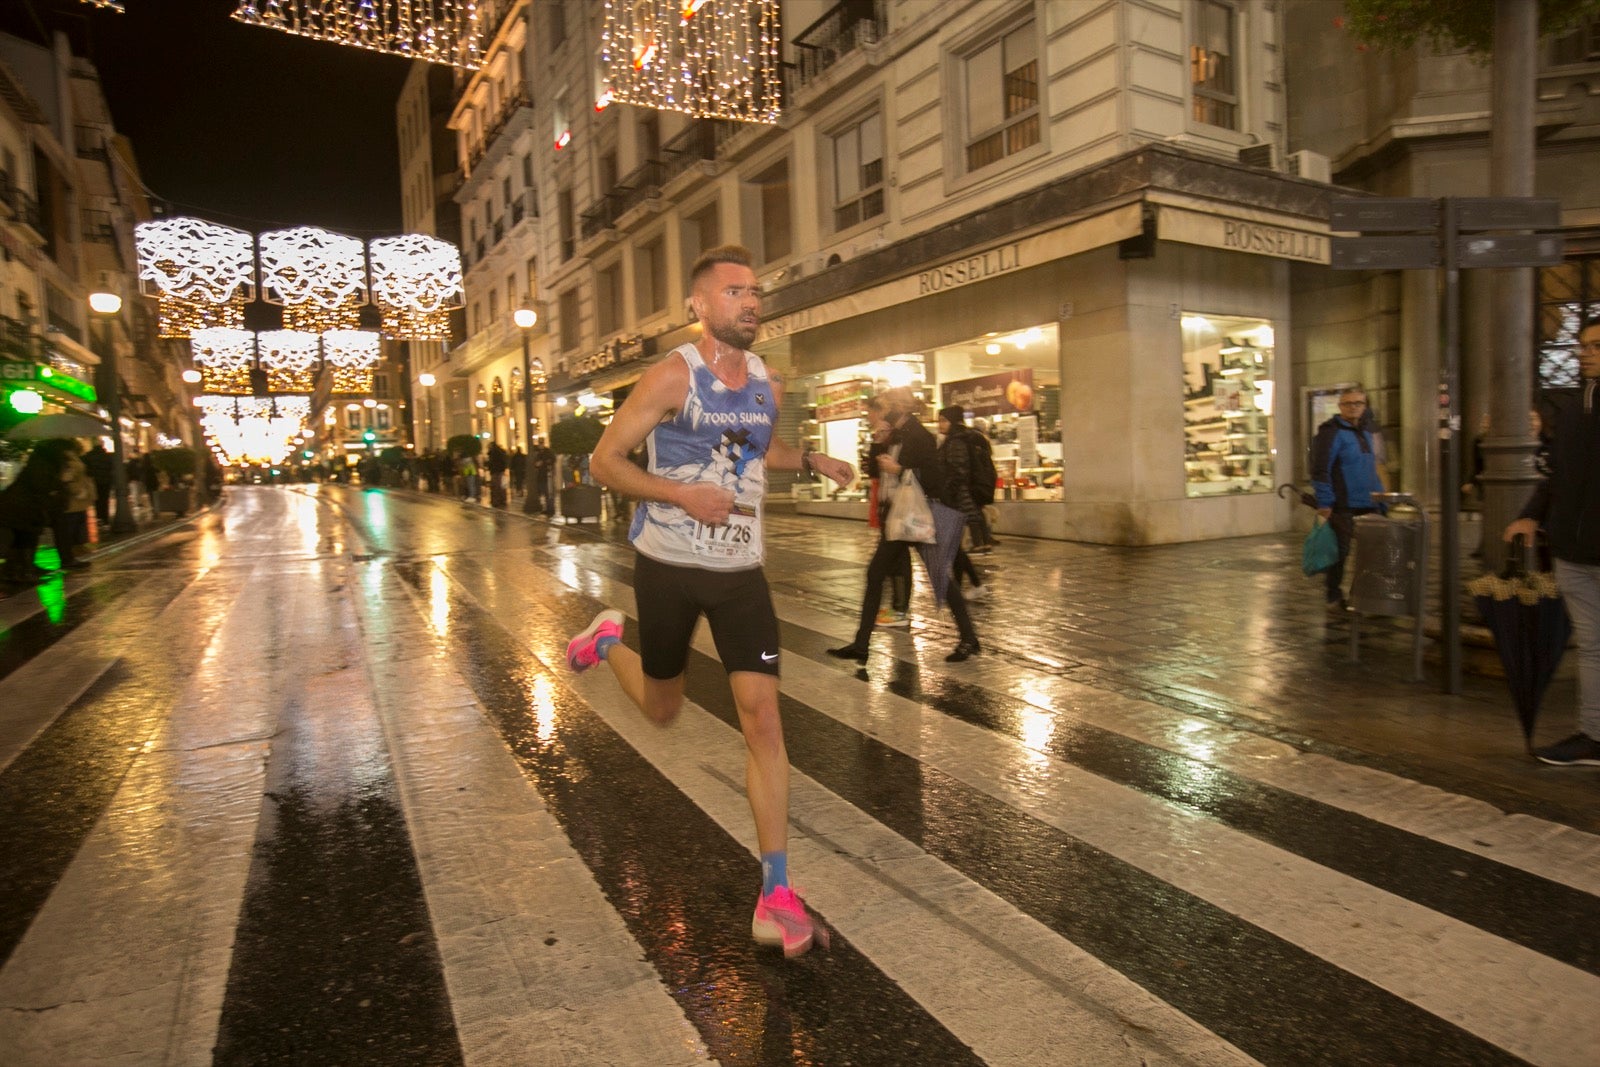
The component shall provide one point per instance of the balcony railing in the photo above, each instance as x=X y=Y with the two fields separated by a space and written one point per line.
x=846 y=27
x=525 y=206
x=496 y=125
x=641 y=184
x=23 y=207
x=602 y=215
x=697 y=141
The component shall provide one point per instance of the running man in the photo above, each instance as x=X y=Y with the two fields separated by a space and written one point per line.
x=708 y=410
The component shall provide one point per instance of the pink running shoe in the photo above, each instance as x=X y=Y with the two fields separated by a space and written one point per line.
x=581 y=654
x=781 y=919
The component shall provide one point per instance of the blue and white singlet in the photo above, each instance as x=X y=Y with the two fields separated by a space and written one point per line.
x=719 y=436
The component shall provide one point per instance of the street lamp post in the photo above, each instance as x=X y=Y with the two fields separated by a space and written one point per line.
x=526 y=319
x=106 y=306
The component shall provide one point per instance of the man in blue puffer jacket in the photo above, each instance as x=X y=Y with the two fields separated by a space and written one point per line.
x=1345 y=474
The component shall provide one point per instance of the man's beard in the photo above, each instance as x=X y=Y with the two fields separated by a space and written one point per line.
x=732 y=333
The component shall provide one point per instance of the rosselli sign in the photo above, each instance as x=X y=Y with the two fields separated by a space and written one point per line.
x=1242 y=234
x=969 y=269
x=1006 y=393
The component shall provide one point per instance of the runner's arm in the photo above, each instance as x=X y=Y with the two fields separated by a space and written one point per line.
x=783 y=456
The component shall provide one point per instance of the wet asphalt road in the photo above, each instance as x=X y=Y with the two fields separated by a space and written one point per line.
x=305 y=781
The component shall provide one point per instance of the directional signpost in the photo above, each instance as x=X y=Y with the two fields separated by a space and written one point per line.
x=1453 y=234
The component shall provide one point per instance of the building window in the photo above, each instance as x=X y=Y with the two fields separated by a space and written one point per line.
x=494 y=306
x=527 y=172
x=569 y=320
x=511 y=292
x=767 y=198
x=1002 y=87
x=1582 y=45
x=608 y=299
x=649 y=136
x=382 y=419
x=566 y=221
x=1569 y=295
x=558 y=24
x=352 y=418
x=700 y=231
x=608 y=172
x=650 y=278
x=858 y=173
x=1227 y=404
x=1213 y=74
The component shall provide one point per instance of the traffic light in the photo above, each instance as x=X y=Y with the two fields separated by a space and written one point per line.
x=369 y=437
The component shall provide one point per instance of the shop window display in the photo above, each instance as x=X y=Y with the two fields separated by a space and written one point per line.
x=1227 y=404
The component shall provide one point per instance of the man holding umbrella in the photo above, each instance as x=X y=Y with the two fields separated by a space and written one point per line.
x=1567 y=506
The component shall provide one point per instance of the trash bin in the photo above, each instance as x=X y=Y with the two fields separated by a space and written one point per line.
x=1390 y=559
x=1386 y=561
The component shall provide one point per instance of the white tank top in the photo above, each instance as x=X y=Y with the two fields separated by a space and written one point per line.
x=720 y=436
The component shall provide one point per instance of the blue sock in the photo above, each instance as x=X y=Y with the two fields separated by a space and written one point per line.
x=602 y=645
x=774 y=871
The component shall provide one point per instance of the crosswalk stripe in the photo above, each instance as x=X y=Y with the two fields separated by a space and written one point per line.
x=1445 y=966
x=1181 y=934
x=539 y=967
x=127 y=960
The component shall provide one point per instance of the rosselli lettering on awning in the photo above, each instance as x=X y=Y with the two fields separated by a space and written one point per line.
x=1246 y=232
x=986 y=264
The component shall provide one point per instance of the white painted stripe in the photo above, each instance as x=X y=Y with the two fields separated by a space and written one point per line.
x=1026 y=987
x=127 y=961
x=540 y=967
x=1537 y=846
x=1480 y=982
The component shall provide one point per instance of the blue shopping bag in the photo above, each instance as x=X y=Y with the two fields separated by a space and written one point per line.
x=1321 y=549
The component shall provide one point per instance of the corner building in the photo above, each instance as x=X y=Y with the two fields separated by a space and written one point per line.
x=1033 y=208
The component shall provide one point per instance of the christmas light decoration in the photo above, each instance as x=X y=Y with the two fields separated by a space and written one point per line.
x=187 y=261
x=290 y=359
x=709 y=58
x=253 y=430
x=224 y=356
x=416 y=281
x=319 y=277
x=351 y=355
x=439 y=31
x=113 y=5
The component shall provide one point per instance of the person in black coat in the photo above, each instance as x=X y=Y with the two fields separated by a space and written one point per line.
x=909 y=447
x=1566 y=505
x=98 y=463
x=26 y=508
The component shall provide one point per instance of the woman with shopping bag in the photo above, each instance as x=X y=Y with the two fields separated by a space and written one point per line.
x=911 y=451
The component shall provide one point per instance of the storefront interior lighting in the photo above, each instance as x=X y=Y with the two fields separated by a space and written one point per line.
x=589 y=400
x=992 y=349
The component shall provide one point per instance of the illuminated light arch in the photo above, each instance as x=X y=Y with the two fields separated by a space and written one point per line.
x=318 y=276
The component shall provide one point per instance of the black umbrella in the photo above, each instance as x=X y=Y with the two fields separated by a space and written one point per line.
x=1528 y=618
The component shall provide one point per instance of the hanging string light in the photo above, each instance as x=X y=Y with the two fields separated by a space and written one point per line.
x=439 y=31
x=320 y=278
x=416 y=282
x=224 y=356
x=203 y=273
x=113 y=5
x=351 y=356
x=290 y=359
x=253 y=430
x=708 y=58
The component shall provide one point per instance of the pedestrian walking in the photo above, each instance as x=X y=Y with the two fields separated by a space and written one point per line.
x=98 y=463
x=911 y=448
x=26 y=508
x=981 y=478
x=544 y=466
x=709 y=410
x=70 y=525
x=1344 y=476
x=897 y=616
x=498 y=460
x=1566 y=505
x=961 y=455
x=519 y=470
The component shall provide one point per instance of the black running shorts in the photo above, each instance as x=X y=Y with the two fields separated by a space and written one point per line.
x=736 y=604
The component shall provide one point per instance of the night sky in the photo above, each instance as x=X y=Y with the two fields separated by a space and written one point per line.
x=242 y=125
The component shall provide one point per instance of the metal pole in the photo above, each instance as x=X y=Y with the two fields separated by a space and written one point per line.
x=1449 y=467
x=529 y=470
x=122 y=517
x=1509 y=476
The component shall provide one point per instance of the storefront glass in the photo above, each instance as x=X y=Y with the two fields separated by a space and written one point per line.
x=1229 y=443
x=1009 y=384
x=836 y=420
